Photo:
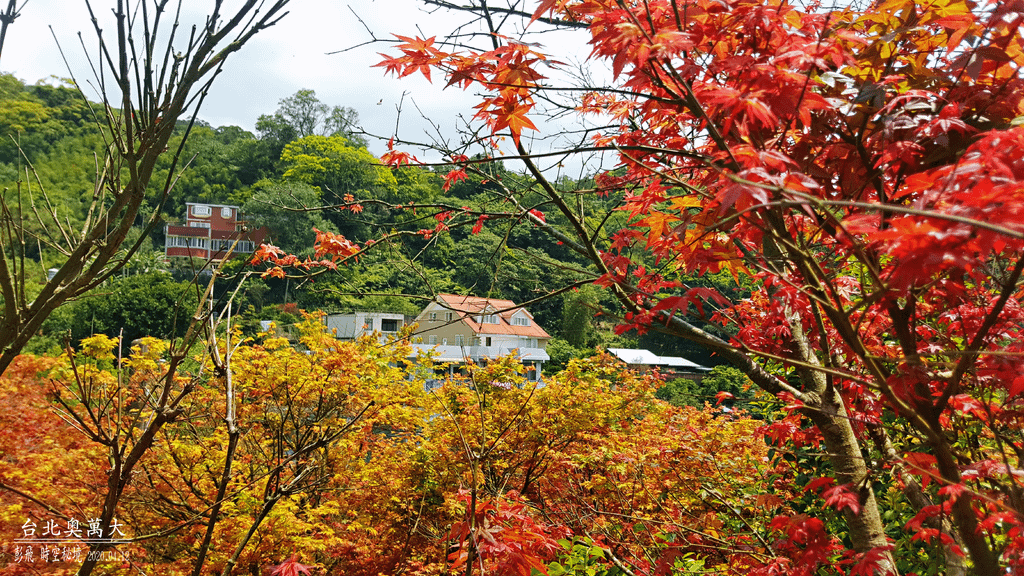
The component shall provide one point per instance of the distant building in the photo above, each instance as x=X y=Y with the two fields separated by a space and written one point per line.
x=466 y=328
x=675 y=366
x=356 y=324
x=208 y=233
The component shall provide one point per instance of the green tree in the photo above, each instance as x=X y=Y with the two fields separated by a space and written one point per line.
x=210 y=174
x=561 y=352
x=687 y=392
x=303 y=114
x=336 y=167
x=311 y=117
x=274 y=133
x=341 y=172
x=34 y=118
x=727 y=379
x=290 y=211
x=150 y=304
x=21 y=124
x=578 y=309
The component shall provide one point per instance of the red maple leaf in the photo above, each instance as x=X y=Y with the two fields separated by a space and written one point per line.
x=290 y=567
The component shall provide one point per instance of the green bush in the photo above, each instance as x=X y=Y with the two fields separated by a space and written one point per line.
x=152 y=304
x=684 y=392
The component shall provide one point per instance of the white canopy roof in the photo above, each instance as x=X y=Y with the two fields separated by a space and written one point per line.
x=639 y=357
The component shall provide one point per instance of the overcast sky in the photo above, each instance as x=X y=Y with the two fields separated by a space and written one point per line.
x=292 y=55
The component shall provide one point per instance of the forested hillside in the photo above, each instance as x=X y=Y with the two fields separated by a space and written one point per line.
x=303 y=170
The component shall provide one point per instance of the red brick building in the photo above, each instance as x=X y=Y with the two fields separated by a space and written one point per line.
x=209 y=231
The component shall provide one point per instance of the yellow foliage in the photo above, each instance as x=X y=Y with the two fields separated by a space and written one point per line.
x=99 y=347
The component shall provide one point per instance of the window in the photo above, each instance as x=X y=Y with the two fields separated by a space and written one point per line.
x=201 y=210
x=369 y=324
x=459 y=340
x=243 y=246
x=388 y=325
x=225 y=212
x=195 y=224
x=444 y=341
x=431 y=339
x=488 y=341
x=186 y=242
x=448 y=316
x=521 y=321
x=433 y=316
x=487 y=319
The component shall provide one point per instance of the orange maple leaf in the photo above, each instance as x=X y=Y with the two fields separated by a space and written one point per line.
x=512 y=115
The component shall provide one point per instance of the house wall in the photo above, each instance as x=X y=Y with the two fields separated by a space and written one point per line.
x=218 y=216
x=355 y=324
x=512 y=341
x=446 y=332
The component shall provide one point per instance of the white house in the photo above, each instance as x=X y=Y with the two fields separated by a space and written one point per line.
x=356 y=324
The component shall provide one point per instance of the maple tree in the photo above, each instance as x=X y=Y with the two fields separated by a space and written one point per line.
x=592 y=456
x=508 y=478
x=300 y=426
x=236 y=470
x=863 y=166
x=322 y=456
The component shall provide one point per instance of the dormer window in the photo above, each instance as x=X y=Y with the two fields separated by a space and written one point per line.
x=520 y=321
x=487 y=316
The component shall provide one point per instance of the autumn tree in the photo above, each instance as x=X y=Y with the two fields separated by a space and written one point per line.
x=861 y=167
x=152 y=78
x=591 y=456
x=247 y=462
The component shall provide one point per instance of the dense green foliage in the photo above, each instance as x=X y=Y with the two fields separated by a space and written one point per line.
x=684 y=392
x=132 y=307
x=307 y=169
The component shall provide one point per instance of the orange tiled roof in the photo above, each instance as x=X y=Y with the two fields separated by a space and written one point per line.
x=471 y=306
